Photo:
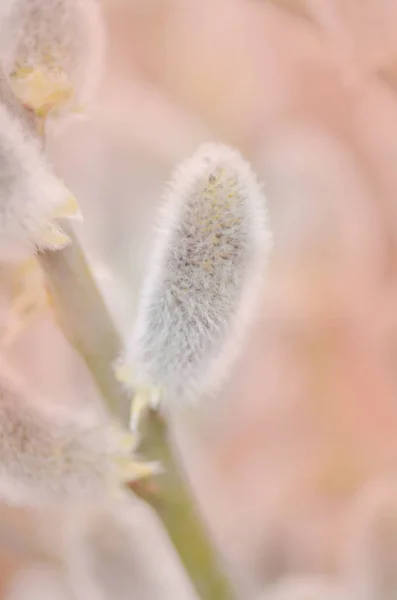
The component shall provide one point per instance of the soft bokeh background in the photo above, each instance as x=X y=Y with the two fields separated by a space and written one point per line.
x=296 y=472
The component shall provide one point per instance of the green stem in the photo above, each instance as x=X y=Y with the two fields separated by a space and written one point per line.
x=89 y=328
x=84 y=318
x=173 y=502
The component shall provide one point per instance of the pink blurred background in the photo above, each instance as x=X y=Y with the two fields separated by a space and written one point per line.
x=296 y=470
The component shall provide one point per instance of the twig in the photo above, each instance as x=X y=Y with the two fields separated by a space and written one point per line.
x=84 y=318
x=88 y=326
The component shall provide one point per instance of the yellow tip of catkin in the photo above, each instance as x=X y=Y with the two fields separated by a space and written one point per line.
x=68 y=210
x=130 y=470
x=124 y=374
x=39 y=91
x=144 y=400
x=54 y=238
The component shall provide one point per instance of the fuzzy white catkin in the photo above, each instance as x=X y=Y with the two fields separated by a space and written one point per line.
x=47 y=458
x=64 y=38
x=30 y=193
x=204 y=279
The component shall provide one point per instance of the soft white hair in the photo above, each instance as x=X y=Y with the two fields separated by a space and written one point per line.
x=64 y=36
x=30 y=192
x=49 y=456
x=204 y=278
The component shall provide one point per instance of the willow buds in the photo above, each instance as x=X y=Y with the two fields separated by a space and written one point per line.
x=204 y=279
x=32 y=198
x=53 y=52
x=46 y=459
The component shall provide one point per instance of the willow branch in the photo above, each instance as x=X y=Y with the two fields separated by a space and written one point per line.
x=85 y=321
